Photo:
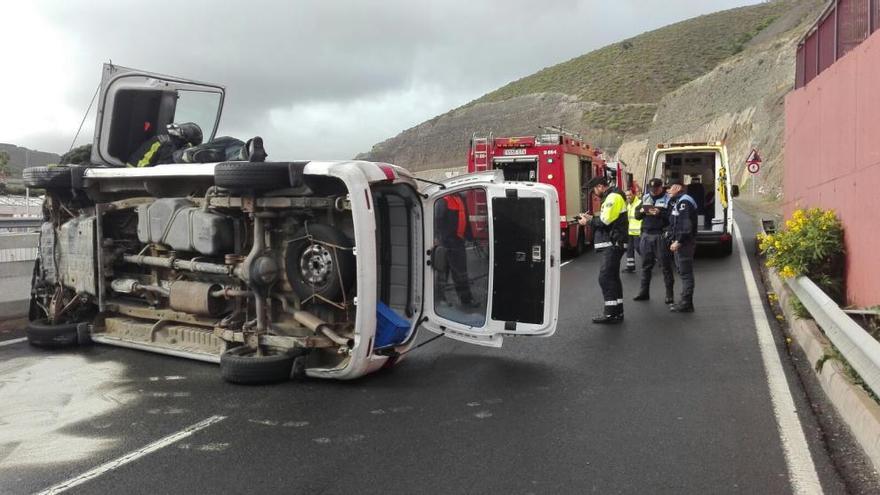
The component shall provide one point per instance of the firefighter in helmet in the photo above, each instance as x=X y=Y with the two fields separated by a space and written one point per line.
x=161 y=147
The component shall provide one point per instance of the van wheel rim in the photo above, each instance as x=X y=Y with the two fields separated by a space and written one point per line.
x=316 y=264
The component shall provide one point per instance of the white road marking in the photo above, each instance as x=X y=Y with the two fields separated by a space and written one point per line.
x=801 y=469
x=12 y=341
x=565 y=263
x=132 y=456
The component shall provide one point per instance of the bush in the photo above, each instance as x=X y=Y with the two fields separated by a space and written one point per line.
x=811 y=244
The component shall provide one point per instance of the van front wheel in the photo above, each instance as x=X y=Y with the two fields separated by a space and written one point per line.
x=244 y=366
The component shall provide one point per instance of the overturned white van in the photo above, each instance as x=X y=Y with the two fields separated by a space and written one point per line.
x=323 y=267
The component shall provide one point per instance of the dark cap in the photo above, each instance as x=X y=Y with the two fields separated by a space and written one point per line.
x=674 y=181
x=655 y=182
x=595 y=181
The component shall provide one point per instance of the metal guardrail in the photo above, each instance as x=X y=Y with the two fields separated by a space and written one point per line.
x=20 y=223
x=855 y=344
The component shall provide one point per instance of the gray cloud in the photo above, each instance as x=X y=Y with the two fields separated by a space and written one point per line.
x=327 y=79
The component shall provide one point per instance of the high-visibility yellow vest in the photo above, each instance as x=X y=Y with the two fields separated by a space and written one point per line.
x=635 y=226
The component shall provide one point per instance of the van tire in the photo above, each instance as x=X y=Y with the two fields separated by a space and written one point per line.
x=41 y=333
x=247 y=176
x=240 y=365
x=47 y=177
x=338 y=275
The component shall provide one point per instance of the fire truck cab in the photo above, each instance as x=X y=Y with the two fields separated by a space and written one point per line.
x=558 y=158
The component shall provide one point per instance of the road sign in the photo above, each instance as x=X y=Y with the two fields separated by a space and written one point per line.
x=754 y=167
x=754 y=157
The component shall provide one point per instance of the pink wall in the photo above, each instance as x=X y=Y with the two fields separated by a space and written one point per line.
x=832 y=158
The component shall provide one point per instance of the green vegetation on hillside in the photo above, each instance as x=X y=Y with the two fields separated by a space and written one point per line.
x=641 y=70
x=622 y=118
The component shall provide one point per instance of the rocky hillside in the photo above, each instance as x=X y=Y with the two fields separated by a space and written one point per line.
x=653 y=96
x=740 y=102
x=19 y=157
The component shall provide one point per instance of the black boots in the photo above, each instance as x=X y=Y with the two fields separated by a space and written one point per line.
x=608 y=319
x=670 y=297
x=685 y=306
x=643 y=295
x=612 y=315
x=255 y=150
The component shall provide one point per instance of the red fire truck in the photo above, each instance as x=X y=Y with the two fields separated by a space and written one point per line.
x=559 y=158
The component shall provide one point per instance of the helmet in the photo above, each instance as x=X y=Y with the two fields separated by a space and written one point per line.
x=187 y=132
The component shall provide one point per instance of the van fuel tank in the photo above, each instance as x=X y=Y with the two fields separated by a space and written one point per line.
x=176 y=223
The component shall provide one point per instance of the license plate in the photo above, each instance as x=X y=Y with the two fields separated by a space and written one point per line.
x=514 y=151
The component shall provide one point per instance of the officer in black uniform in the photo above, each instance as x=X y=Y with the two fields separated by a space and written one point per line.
x=610 y=234
x=682 y=235
x=654 y=215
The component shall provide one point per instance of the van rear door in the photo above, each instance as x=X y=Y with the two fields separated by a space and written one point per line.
x=135 y=105
x=479 y=288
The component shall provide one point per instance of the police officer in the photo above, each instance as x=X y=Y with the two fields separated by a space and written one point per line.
x=653 y=214
x=682 y=235
x=633 y=201
x=609 y=237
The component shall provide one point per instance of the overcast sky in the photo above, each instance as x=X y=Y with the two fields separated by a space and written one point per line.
x=317 y=79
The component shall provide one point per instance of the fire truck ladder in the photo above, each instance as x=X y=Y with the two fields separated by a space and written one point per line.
x=480 y=150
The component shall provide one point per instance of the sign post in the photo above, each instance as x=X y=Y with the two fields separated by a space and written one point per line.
x=753 y=162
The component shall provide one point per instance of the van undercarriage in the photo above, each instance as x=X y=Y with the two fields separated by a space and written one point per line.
x=221 y=268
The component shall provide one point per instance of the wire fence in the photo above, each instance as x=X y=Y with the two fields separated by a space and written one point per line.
x=843 y=25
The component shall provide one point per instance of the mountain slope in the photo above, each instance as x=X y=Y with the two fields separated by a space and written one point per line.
x=641 y=70
x=606 y=94
x=20 y=157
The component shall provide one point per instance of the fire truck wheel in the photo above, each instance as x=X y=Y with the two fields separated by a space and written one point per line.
x=578 y=249
x=57 y=177
x=246 y=176
x=41 y=333
x=243 y=366
x=320 y=262
x=581 y=243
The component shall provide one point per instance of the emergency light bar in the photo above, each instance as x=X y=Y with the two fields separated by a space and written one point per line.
x=681 y=145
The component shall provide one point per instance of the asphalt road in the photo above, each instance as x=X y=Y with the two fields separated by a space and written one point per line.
x=664 y=403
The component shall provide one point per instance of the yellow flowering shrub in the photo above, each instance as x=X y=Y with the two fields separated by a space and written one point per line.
x=811 y=244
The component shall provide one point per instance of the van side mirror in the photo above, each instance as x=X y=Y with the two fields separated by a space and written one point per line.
x=734 y=191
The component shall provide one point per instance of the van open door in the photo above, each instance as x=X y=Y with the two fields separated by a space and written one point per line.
x=480 y=288
x=136 y=105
